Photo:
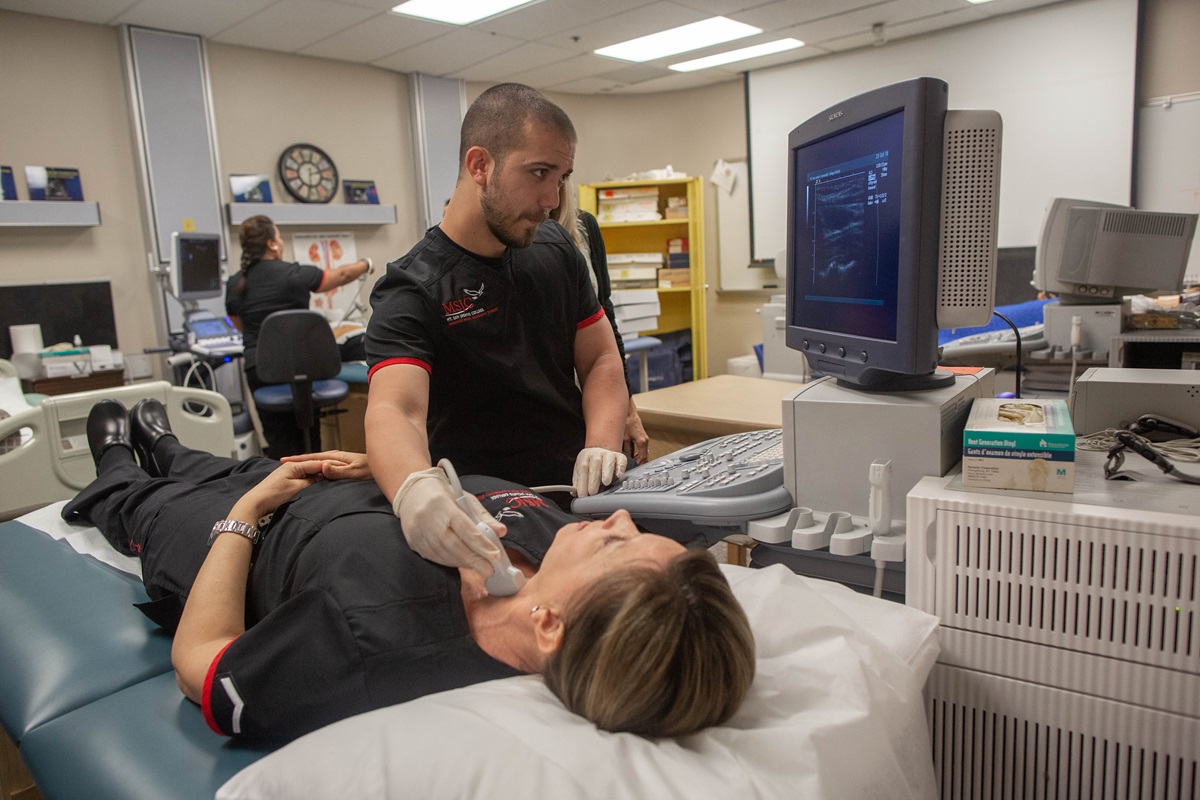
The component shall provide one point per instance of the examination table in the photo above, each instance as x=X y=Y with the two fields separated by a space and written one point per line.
x=89 y=696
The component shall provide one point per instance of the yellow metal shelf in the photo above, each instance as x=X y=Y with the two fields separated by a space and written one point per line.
x=683 y=308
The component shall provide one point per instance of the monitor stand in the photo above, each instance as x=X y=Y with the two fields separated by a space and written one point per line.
x=832 y=434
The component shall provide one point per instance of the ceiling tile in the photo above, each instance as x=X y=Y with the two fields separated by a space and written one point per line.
x=206 y=20
x=580 y=86
x=935 y=22
x=457 y=50
x=519 y=59
x=787 y=13
x=100 y=12
x=379 y=36
x=642 y=21
x=674 y=82
x=547 y=45
x=636 y=73
x=1001 y=7
x=852 y=42
x=374 y=5
x=723 y=8
x=572 y=69
x=291 y=25
x=553 y=17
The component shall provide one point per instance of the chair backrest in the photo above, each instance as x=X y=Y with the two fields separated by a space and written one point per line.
x=297 y=347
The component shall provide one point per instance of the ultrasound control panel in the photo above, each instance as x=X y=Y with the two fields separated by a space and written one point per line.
x=713 y=488
x=213 y=336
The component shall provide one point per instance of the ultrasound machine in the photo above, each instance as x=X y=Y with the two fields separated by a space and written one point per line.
x=891 y=214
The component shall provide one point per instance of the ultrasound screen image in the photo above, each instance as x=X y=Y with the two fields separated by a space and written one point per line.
x=843 y=245
x=847 y=230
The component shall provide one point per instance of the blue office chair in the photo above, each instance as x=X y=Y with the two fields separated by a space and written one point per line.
x=298 y=355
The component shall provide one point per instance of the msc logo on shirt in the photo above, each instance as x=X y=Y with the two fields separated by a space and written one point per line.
x=462 y=309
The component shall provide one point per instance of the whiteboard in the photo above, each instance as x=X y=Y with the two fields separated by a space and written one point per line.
x=1168 y=171
x=733 y=236
x=1062 y=78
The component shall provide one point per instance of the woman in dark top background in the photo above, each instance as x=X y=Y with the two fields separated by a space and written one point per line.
x=585 y=232
x=266 y=284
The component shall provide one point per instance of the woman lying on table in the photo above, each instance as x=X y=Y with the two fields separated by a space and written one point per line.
x=321 y=612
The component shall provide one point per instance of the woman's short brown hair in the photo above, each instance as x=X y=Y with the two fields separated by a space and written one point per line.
x=655 y=652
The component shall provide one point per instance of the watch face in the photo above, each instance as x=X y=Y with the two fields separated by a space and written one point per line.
x=308 y=173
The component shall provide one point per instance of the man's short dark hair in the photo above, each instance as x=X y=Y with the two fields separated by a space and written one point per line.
x=496 y=120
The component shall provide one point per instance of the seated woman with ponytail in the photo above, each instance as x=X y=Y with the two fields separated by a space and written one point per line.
x=266 y=284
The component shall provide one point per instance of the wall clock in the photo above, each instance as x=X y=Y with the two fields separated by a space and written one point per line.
x=308 y=173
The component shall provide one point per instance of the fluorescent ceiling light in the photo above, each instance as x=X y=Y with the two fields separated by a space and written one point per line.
x=458 y=12
x=738 y=55
x=705 y=33
x=977 y=2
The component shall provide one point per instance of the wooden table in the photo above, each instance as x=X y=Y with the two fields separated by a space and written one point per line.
x=106 y=379
x=687 y=413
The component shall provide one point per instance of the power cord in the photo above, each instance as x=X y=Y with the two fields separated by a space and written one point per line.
x=1016 y=333
x=1141 y=446
x=1160 y=454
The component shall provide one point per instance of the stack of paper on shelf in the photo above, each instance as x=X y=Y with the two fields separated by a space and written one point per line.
x=676 y=278
x=636 y=310
x=677 y=208
x=632 y=204
x=634 y=270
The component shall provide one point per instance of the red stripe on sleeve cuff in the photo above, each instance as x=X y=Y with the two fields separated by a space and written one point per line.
x=321 y=285
x=599 y=315
x=416 y=362
x=206 y=694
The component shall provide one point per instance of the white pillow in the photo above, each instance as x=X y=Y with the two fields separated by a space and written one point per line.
x=835 y=711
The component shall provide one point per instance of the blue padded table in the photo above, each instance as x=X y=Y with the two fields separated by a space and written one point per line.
x=69 y=630
x=146 y=742
x=88 y=692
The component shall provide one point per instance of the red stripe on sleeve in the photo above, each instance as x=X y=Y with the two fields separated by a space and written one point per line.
x=599 y=315
x=321 y=285
x=206 y=694
x=416 y=362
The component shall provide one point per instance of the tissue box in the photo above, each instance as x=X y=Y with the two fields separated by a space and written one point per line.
x=1019 y=444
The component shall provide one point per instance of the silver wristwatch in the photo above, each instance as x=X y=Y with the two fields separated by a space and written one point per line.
x=233 y=526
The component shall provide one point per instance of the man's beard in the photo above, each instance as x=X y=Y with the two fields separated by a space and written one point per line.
x=506 y=230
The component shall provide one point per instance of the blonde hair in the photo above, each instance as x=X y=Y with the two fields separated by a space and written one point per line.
x=567 y=213
x=659 y=653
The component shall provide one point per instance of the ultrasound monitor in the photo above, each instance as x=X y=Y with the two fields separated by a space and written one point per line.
x=866 y=185
x=1090 y=252
x=195 y=272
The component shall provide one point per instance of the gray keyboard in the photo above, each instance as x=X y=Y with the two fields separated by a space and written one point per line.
x=712 y=488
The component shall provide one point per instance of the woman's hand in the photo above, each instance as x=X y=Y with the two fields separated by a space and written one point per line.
x=284 y=483
x=637 y=441
x=338 y=464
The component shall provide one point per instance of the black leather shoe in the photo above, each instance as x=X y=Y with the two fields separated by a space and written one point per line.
x=148 y=419
x=107 y=426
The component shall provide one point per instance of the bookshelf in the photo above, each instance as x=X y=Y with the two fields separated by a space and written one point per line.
x=683 y=308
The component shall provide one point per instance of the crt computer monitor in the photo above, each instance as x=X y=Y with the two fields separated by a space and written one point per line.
x=1091 y=252
x=864 y=205
x=195 y=272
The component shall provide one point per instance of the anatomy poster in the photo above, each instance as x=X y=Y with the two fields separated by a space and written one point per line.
x=327 y=251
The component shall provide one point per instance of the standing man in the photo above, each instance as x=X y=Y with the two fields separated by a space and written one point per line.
x=476 y=337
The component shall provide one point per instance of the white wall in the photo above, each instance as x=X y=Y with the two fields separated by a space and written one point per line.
x=1061 y=76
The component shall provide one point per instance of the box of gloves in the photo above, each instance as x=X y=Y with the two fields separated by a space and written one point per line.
x=1019 y=444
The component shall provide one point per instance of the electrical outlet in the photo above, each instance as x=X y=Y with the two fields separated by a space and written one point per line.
x=138 y=366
